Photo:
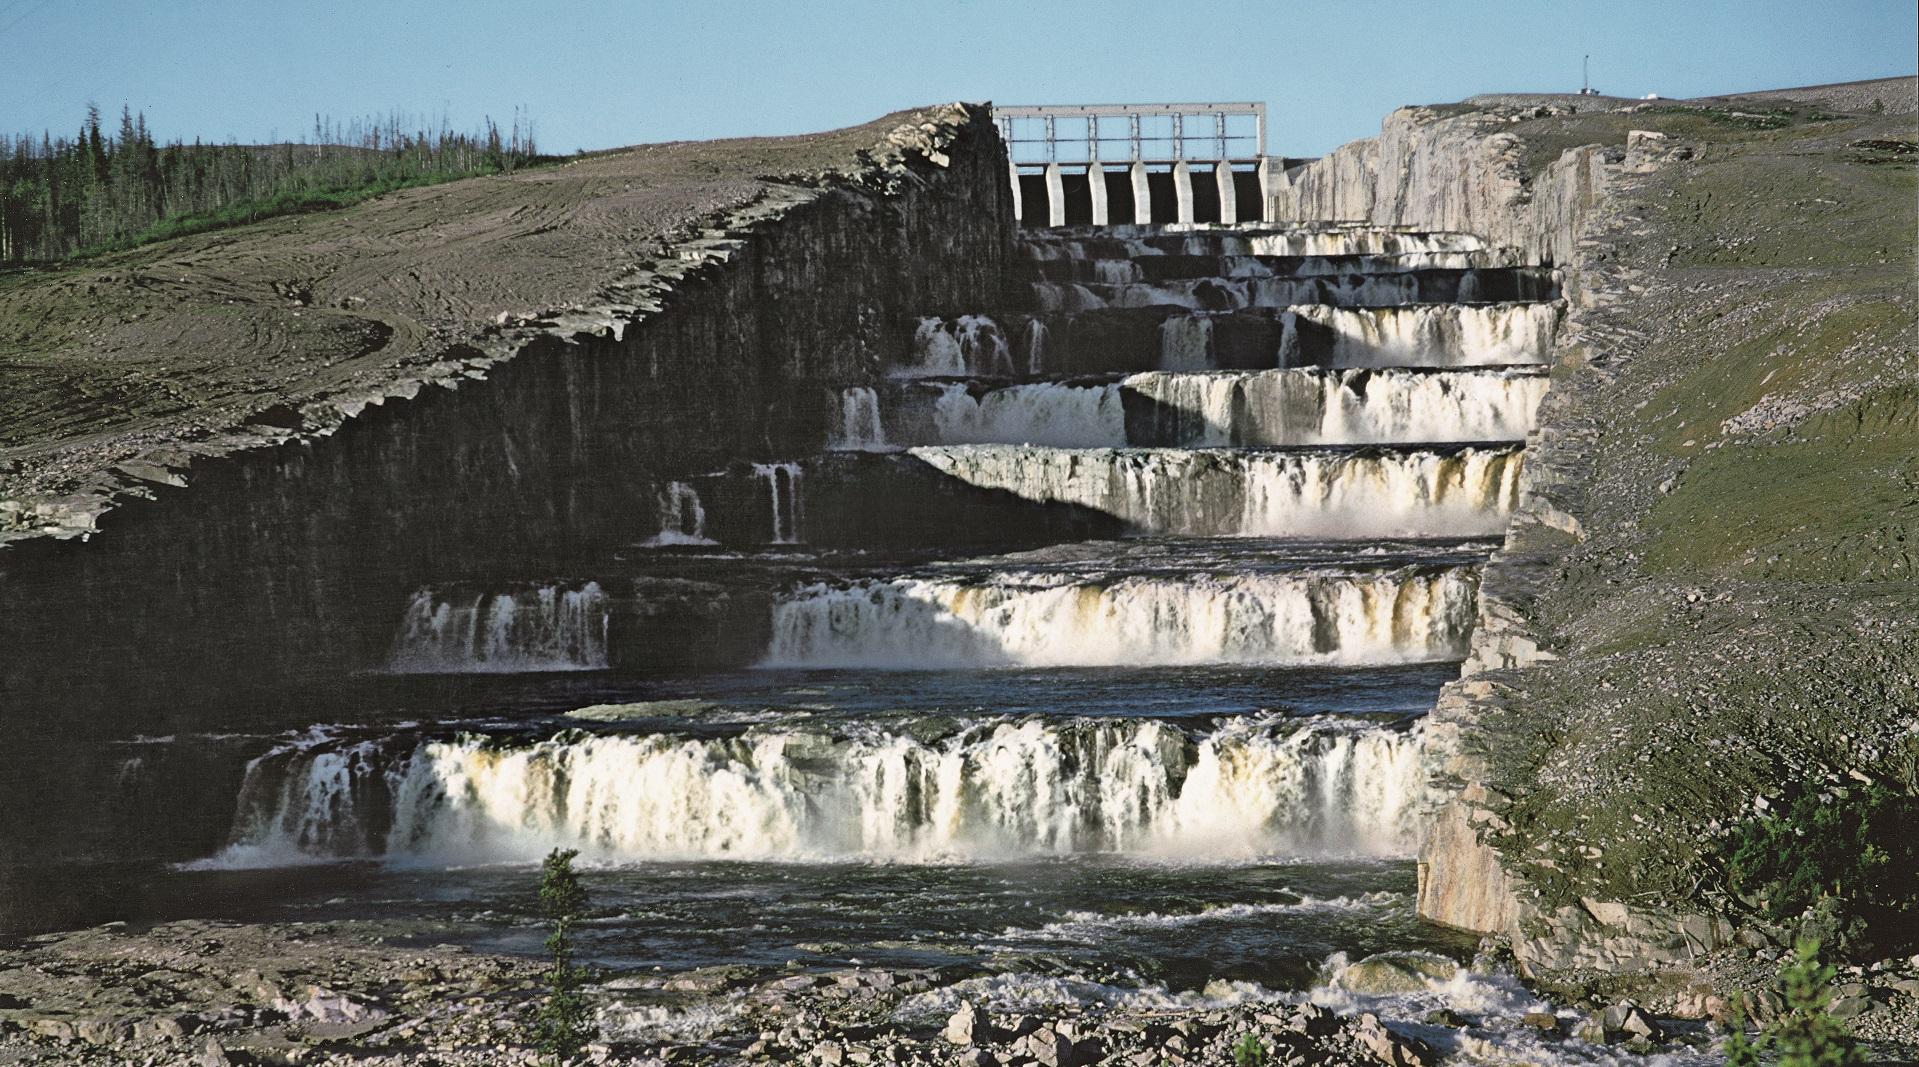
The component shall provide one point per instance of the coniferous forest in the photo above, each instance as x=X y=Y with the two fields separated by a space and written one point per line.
x=106 y=189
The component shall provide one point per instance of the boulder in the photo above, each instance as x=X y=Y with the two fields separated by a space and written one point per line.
x=1626 y=1018
x=1849 y=1006
x=967 y=1026
x=104 y=1030
x=1390 y=1048
x=1048 y=1048
x=1395 y=972
x=1543 y=1021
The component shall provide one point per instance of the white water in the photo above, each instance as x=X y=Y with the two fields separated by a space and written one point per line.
x=1306 y=406
x=681 y=517
x=969 y=345
x=1274 y=494
x=1354 y=241
x=1230 y=293
x=783 y=499
x=1045 y=413
x=1446 y=335
x=1252 y=787
x=1338 y=407
x=1039 y=620
x=549 y=628
x=1350 y=242
x=857 y=426
x=1186 y=343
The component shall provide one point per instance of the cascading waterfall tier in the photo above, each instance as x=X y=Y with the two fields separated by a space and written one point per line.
x=1266 y=291
x=1307 y=406
x=681 y=517
x=1426 y=336
x=1099 y=264
x=969 y=345
x=1247 y=787
x=1129 y=242
x=1106 y=340
x=1052 y=620
x=784 y=501
x=1461 y=492
x=541 y=628
x=856 y=427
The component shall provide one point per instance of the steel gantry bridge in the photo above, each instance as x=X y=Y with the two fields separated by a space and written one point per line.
x=1100 y=164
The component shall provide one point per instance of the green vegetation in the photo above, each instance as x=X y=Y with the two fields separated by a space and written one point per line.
x=564 y=1020
x=1248 y=1052
x=1843 y=861
x=1803 y=1035
x=101 y=192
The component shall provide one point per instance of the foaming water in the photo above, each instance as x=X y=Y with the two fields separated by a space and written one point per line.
x=544 y=628
x=1339 y=407
x=1446 y=335
x=1035 y=620
x=1252 y=286
x=1462 y=493
x=1301 y=407
x=1044 y=413
x=785 y=504
x=857 y=426
x=969 y=345
x=681 y=517
x=1133 y=241
x=1250 y=787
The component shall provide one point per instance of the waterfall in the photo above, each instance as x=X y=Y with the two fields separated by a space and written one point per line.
x=1186 y=343
x=682 y=519
x=1042 y=620
x=858 y=428
x=1045 y=413
x=1252 y=786
x=1245 y=289
x=783 y=499
x=1298 y=407
x=1470 y=287
x=1035 y=346
x=969 y=345
x=548 y=628
x=1335 y=407
x=1420 y=493
x=1442 y=335
x=936 y=352
x=1357 y=242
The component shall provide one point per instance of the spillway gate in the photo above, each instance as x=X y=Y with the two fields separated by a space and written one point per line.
x=1113 y=164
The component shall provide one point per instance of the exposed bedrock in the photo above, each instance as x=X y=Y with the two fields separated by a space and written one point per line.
x=1697 y=610
x=248 y=579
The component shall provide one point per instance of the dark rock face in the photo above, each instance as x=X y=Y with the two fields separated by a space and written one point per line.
x=280 y=570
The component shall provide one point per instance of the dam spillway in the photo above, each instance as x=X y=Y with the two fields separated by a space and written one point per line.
x=994 y=617
x=1141 y=563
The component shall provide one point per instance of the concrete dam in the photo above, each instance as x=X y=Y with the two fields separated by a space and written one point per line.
x=1005 y=562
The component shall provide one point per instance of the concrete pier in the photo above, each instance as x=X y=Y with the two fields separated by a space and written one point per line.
x=1182 y=163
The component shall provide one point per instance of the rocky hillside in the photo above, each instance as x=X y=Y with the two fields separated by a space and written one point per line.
x=1706 y=607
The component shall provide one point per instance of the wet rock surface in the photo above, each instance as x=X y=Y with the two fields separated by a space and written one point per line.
x=384 y=993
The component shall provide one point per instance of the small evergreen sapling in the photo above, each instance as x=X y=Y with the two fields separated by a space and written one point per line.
x=1803 y=1035
x=562 y=1027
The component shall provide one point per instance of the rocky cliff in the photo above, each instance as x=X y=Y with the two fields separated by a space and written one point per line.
x=1704 y=602
x=228 y=460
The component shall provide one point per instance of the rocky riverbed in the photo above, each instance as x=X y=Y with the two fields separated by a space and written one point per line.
x=216 y=993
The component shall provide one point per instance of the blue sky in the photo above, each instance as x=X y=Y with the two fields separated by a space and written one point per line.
x=599 y=73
